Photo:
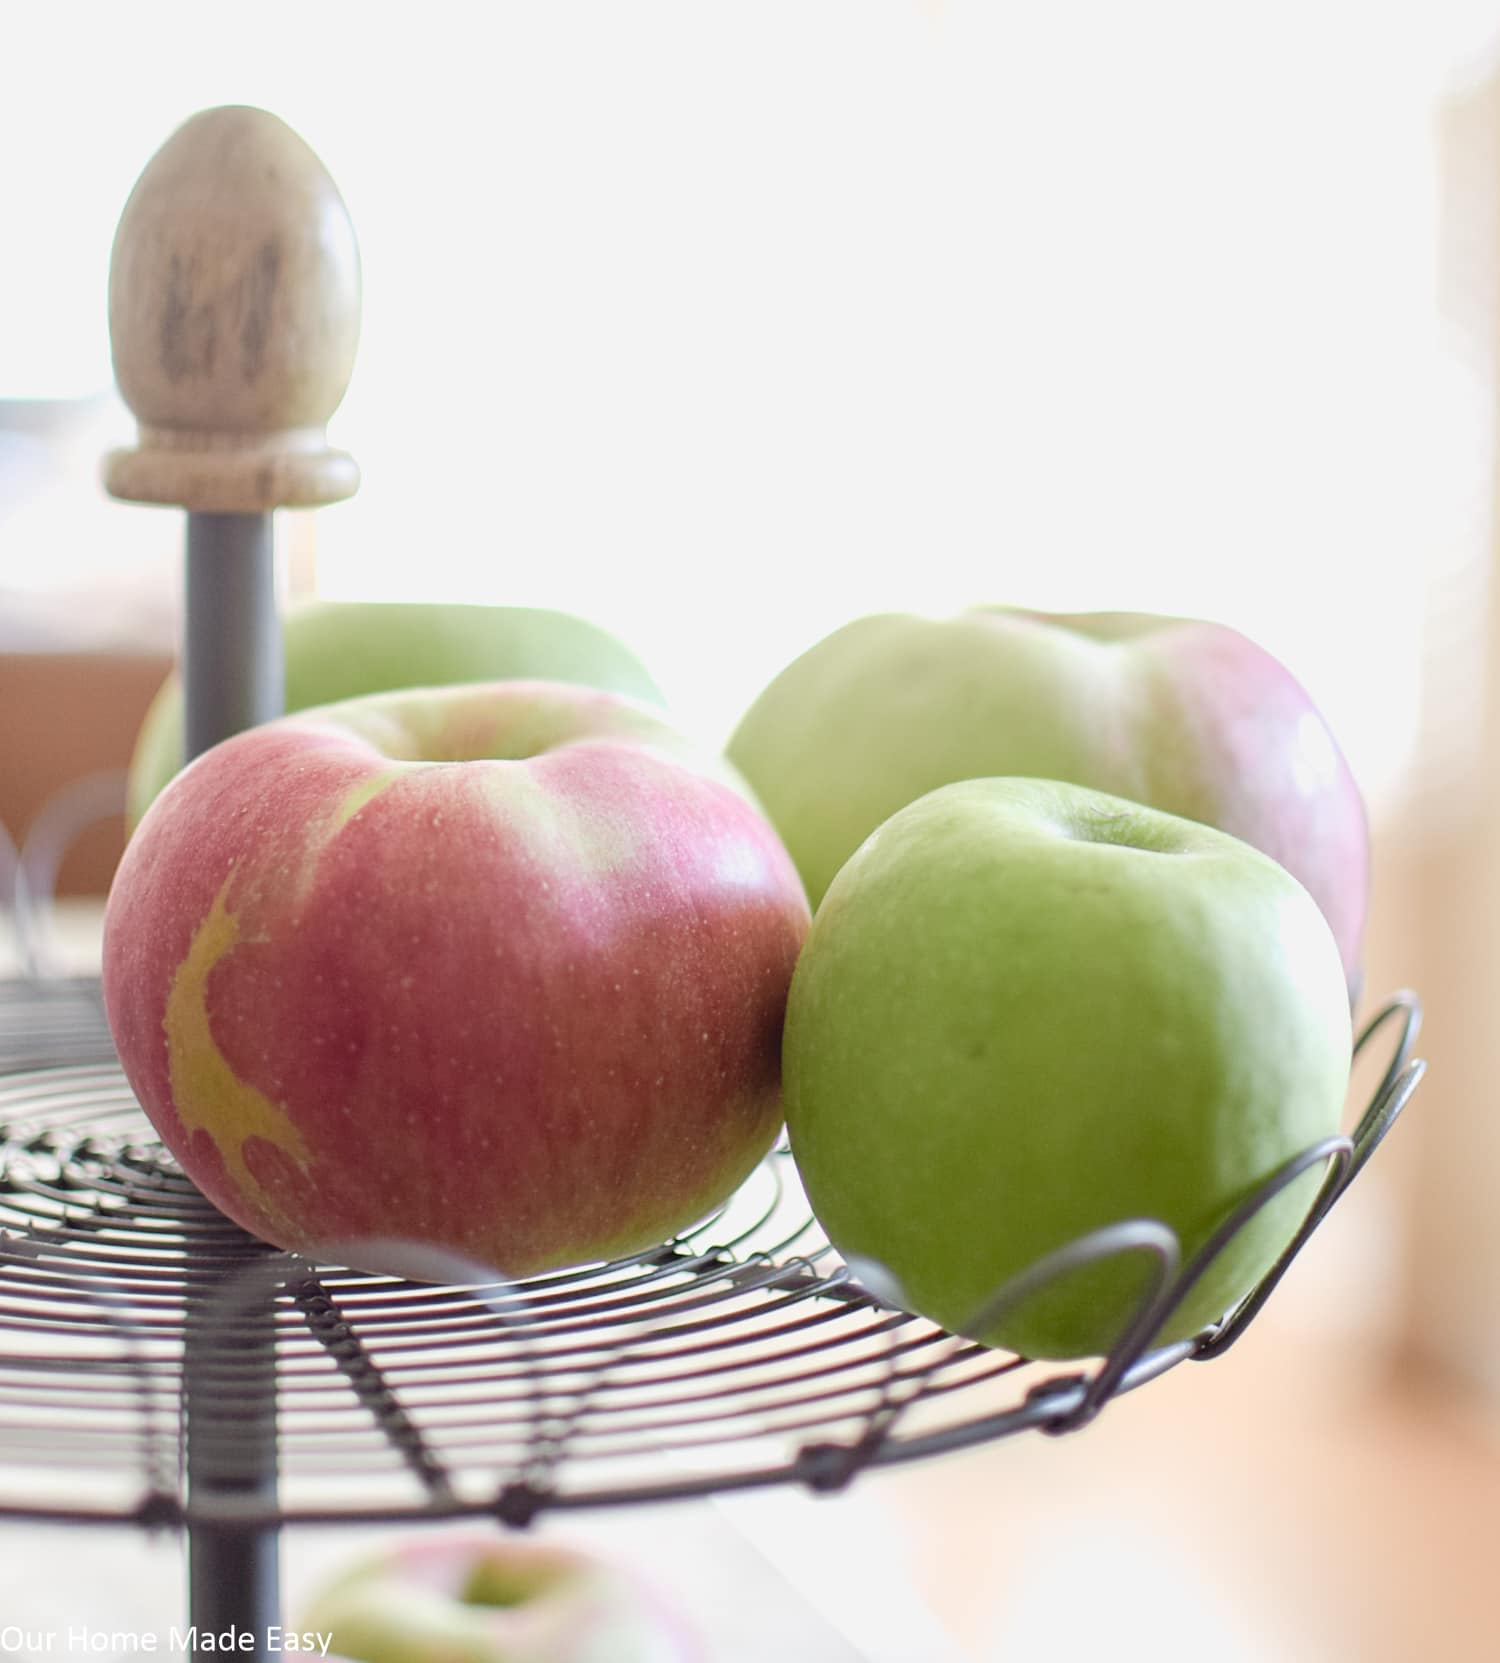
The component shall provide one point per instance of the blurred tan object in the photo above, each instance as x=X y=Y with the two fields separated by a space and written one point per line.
x=1289 y=1504
x=1438 y=858
x=63 y=717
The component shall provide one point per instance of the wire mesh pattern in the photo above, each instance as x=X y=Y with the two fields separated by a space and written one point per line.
x=44 y=1019
x=152 y=1354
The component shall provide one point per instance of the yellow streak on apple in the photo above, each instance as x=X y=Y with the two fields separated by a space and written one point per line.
x=550 y=825
x=343 y=812
x=210 y=1097
x=362 y=794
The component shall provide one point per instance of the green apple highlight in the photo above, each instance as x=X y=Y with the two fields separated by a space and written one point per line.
x=1027 y=1010
x=337 y=650
x=1182 y=715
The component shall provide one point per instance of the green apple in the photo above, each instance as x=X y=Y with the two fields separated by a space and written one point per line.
x=1186 y=716
x=492 y=1599
x=341 y=649
x=1027 y=1010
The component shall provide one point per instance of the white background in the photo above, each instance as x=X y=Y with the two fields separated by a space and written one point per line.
x=724 y=323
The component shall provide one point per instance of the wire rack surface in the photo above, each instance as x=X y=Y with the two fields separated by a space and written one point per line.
x=46 y=1018
x=744 y=1353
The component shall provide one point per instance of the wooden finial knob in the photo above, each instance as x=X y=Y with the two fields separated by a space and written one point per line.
x=234 y=299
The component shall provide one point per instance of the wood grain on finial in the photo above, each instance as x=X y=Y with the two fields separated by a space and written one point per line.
x=234 y=301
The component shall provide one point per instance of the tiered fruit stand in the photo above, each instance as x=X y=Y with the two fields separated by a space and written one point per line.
x=161 y=1368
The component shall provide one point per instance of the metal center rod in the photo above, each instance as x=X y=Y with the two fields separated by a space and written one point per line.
x=232 y=679
x=231 y=655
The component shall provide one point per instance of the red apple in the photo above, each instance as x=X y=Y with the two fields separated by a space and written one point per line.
x=496 y=969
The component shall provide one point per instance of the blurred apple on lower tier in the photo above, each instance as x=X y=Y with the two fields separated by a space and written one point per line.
x=495 y=969
x=1186 y=716
x=482 y=1599
x=1026 y=1011
x=337 y=650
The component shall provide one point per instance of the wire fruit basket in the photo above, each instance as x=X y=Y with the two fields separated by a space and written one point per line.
x=746 y=1352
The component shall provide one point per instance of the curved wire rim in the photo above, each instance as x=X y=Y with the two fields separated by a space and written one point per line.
x=1056 y=1405
x=31 y=870
x=1076 y=1399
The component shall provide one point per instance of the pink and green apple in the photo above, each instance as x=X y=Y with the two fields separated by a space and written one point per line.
x=336 y=650
x=488 y=1599
x=498 y=969
x=1185 y=716
x=1026 y=1010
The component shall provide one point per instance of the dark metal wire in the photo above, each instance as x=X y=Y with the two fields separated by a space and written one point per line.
x=745 y=1353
